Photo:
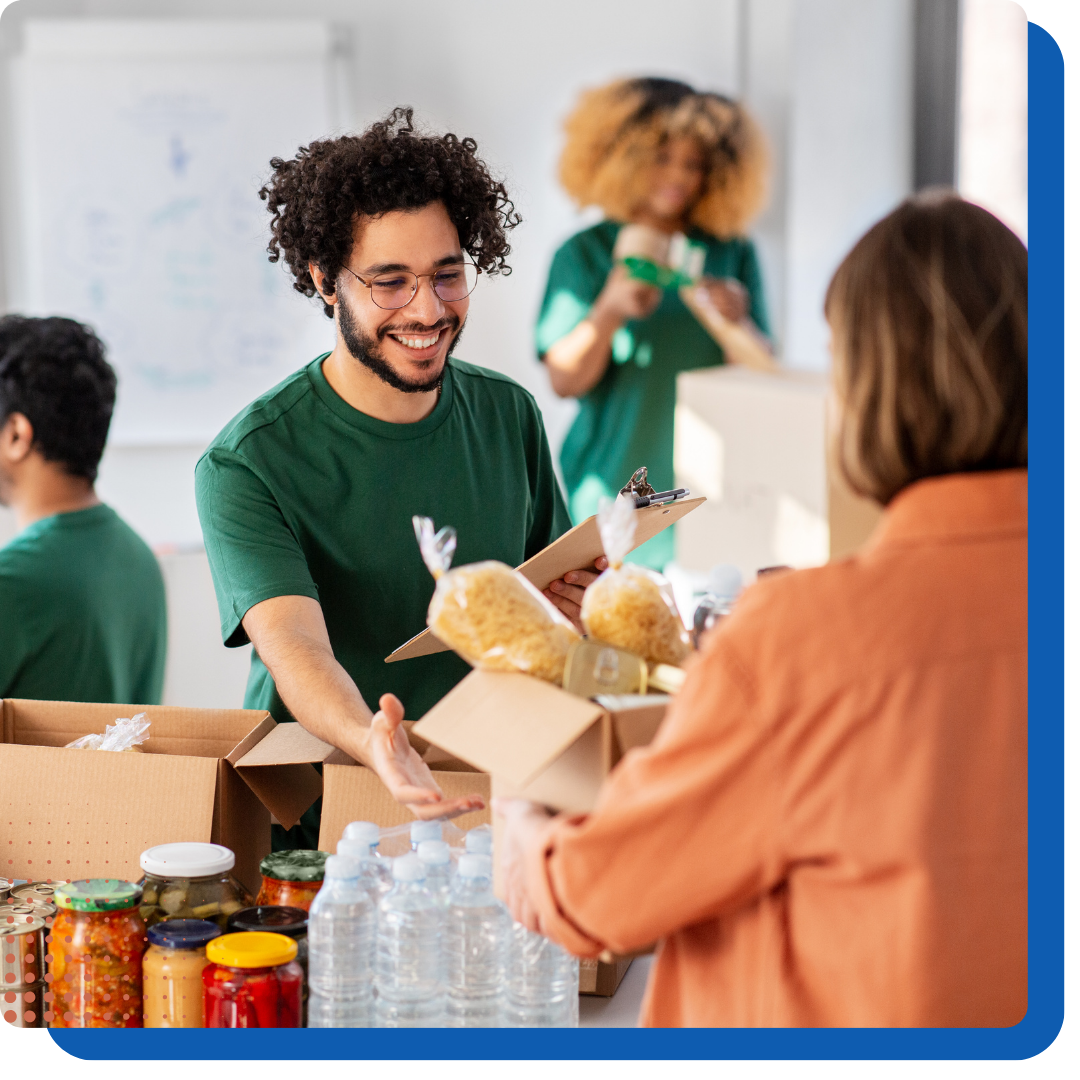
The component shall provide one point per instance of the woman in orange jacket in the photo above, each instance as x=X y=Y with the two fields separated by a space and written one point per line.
x=830 y=827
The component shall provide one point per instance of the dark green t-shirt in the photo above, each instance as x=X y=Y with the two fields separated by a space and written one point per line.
x=302 y=495
x=628 y=419
x=82 y=612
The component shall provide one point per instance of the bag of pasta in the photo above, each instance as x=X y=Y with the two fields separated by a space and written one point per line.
x=630 y=606
x=489 y=614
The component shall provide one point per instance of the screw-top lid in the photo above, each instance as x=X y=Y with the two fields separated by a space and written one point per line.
x=341 y=866
x=425 y=830
x=474 y=865
x=277 y=919
x=253 y=950
x=187 y=860
x=98 y=894
x=183 y=933
x=294 y=865
x=367 y=831
x=434 y=852
x=478 y=841
x=359 y=850
x=409 y=868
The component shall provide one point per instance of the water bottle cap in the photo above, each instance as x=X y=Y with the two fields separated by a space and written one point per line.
x=474 y=865
x=433 y=852
x=478 y=841
x=360 y=850
x=425 y=830
x=409 y=868
x=341 y=866
x=725 y=581
x=367 y=831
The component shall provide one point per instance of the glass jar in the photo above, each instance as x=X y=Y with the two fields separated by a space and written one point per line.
x=98 y=938
x=190 y=881
x=291 y=878
x=290 y=921
x=252 y=981
x=172 y=972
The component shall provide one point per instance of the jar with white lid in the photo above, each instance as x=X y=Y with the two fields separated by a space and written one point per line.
x=190 y=881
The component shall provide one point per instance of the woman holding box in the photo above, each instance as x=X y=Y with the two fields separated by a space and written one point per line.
x=657 y=155
x=830 y=827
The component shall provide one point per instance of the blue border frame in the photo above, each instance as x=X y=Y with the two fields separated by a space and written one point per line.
x=1046 y=981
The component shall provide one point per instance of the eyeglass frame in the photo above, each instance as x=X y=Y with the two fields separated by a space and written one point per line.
x=418 y=278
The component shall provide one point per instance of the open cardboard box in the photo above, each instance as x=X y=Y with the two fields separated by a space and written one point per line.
x=541 y=743
x=205 y=774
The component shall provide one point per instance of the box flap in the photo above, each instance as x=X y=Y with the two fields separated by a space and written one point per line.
x=577 y=549
x=635 y=718
x=506 y=724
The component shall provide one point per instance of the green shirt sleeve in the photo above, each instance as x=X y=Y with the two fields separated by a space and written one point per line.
x=573 y=285
x=750 y=276
x=254 y=554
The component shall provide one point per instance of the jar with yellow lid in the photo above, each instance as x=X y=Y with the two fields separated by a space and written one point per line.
x=291 y=878
x=252 y=981
x=172 y=972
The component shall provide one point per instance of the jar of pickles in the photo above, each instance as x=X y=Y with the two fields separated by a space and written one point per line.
x=252 y=981
x=95 y=957
x=190 y=881
x=172 y=972
x=291 y=878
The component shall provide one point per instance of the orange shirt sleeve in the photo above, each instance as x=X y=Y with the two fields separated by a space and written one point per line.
x=620 y=878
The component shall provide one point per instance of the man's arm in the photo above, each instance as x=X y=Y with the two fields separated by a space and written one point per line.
x=289 y=634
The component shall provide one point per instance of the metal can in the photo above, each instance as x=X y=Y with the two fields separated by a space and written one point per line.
x=22 y=965
x=36 y=892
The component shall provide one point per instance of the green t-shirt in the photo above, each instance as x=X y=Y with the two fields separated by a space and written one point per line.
x=302 y=495
x=628 y=419
x=82 y=612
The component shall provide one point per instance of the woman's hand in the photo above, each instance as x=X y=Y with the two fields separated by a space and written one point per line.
x=403 y=772
x=729 y=297
x=523 y=824
x=624 y=298
x=567 y=592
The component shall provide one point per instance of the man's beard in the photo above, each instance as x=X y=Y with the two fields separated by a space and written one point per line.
x=367 y=351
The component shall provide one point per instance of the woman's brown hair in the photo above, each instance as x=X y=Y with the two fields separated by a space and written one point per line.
x=929 y=322
x=615 y=131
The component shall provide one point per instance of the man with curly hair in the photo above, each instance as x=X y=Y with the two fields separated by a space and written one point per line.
x=307 y=497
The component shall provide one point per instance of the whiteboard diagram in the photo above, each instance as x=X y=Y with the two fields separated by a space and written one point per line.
x=141 y=149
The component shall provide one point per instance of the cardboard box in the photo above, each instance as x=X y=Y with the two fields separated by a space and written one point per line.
x=756 y=446
x=205 y=774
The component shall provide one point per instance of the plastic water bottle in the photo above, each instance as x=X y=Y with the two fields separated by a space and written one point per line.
x=541 y=982
x=477 y=936
x=375 y=875
x=420 y=831
x=409 y=965
x=478 y=841
x=435 y=855
x=341 y=935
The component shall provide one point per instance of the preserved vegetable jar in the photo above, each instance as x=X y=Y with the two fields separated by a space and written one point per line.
x=290 y=921
x=291 y=878
x=252 y=981
x=190 y=881
x=172 y=972
x=95 y=957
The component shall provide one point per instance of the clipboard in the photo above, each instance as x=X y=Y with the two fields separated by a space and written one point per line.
x=576 y=549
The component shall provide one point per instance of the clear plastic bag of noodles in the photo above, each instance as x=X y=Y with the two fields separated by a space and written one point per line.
x=489 y=614
x=631 y=606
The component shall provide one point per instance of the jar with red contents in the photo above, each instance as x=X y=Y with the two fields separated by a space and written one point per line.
x=252 y=981
x=95 y=959
x=291 y=878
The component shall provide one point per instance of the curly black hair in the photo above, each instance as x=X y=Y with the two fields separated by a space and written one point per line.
x=54 y=372
x=316 y=196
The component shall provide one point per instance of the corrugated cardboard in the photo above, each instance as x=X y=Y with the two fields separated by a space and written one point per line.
x=205 y=774
x=577 y=549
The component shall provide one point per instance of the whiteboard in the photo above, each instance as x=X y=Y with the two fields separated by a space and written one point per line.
x=141 y=146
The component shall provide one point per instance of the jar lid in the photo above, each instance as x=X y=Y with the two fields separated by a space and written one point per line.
x=98 y=894
x=187 y=860
x=182 y=933
x=251 y=950
x=290 y=921
x=294 y=865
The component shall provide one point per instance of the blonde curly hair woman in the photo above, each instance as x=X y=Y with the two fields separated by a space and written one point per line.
x=654 y=153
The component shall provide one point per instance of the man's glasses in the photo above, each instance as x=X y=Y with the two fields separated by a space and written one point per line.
x=395 y=289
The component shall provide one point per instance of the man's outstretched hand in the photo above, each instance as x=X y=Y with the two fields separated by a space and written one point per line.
x=403 y=772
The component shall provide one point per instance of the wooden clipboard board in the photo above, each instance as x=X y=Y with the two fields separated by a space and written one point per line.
x=576 y=549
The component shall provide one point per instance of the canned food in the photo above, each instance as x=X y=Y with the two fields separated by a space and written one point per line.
x=22 y=966
x=36 y=892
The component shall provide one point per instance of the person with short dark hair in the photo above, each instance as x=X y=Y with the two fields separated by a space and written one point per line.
x=82 y=600
x=830 y=828
x=307 y=497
